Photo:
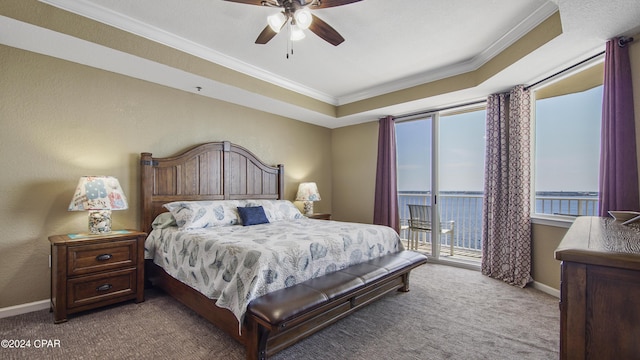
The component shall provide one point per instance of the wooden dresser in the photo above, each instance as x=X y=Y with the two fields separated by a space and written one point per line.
x=90 y=271
x=600 y=290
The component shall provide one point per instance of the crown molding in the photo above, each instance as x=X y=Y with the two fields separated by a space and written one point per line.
x=131 y=25
x=524 y=27
x=128 y=24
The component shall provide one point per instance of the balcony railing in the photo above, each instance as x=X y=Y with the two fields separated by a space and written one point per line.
x=564 y=205
x=465 y=209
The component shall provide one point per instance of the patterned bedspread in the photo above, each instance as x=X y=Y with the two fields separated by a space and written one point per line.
x=236 y=264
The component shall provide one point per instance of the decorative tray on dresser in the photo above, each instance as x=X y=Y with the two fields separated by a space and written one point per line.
x=600 y=290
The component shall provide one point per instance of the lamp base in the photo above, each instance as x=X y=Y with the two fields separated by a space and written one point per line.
x=308 y=207
x=99 y=221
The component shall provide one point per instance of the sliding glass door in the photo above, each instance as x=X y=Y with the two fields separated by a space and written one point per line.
x=461 y=172
x=417 y=176
x=441 y=164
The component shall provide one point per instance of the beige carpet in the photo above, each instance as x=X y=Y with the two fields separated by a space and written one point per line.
x=449 y=313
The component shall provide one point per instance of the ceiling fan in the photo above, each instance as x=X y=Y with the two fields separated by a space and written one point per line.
x=296 y=14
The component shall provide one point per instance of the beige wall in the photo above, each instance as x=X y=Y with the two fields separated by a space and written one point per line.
x=354 y=156
x=61 y=120
x=545 y=268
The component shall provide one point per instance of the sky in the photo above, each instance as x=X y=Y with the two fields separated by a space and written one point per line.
x=567 y=147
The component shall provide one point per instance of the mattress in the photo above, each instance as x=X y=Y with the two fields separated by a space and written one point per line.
x=236 y=264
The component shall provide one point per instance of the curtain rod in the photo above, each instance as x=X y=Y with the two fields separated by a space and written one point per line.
x=564 y=70
x=439 y=109
x=622 y=42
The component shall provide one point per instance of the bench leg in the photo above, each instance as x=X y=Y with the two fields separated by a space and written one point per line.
x=256 y=346
x=405 y=281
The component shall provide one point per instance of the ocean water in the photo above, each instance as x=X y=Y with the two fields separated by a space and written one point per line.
x=464 y=208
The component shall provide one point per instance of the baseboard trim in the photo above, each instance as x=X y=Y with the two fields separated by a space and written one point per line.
x=24 y=308
x=546 y=289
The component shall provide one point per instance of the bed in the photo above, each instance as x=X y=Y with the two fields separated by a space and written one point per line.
x=269 y=316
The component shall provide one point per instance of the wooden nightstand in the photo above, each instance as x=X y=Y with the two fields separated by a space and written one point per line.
x=90 y=271
x=319 y=216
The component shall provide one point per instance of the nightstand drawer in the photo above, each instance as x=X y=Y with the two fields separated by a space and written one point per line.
x=85 y=259
x=103 y=287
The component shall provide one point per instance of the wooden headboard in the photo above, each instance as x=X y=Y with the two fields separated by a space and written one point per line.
x=210 y=171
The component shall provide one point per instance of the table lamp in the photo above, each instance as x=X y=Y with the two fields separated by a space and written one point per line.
x=308 y=192
x=98 y=195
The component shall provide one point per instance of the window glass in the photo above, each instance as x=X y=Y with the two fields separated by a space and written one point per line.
x=567 y=153
x=413 y=149
x=413 y=142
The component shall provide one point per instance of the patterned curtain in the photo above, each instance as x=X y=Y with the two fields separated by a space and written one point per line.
x=506 y=228
x=385 y=211
x=618 y=184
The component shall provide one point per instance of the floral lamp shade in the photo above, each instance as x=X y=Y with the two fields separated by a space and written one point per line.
x=308 y=192
x=98 y=195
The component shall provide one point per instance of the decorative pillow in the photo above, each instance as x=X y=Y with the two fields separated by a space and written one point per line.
x=201 y=214
x=164 y=221
x=252 y=215
x=277 y=210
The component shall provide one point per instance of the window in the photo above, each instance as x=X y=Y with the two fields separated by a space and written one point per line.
x=567 y=145
x=441 y=162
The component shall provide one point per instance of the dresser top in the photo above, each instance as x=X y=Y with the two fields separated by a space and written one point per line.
x=601 y=241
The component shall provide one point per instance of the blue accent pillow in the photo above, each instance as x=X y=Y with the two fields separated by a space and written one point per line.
x=252 y=215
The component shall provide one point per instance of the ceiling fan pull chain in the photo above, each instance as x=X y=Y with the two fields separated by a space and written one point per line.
x=289 y=42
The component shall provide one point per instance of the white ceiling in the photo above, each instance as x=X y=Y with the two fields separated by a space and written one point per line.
x=390 y=45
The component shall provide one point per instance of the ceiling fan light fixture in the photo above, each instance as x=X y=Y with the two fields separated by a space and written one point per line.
x=297 y=16
x=296 y=33
x=303 y=18
x=276 y=21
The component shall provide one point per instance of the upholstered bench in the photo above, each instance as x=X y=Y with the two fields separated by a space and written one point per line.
x=287 y=315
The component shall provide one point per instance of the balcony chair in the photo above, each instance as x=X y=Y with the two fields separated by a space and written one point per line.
x=420 y=221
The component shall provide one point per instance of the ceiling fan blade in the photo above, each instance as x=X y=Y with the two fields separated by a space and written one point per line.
x=248 y=2
x=266 y=35
x=332 y=3
x=325 y=31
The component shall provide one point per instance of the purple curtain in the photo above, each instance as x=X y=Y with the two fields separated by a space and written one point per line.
x=506 y=226
x=618 y=158
x=385 y=210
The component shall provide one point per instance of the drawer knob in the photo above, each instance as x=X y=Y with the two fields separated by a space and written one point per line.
x=104 y=257
x=104 y=287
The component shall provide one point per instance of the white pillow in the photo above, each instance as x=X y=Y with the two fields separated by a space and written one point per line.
x=202 y=214
x=277 y=210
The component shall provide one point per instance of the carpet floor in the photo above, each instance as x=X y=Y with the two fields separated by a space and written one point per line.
x=450 y=313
